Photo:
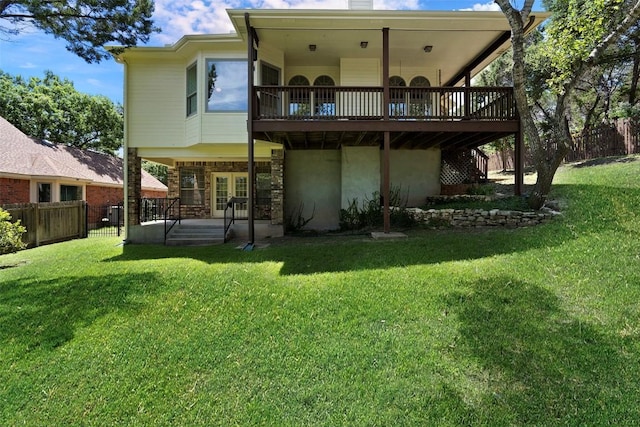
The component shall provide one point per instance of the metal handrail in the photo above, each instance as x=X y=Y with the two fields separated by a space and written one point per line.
x=231 y=204
x=168 y=218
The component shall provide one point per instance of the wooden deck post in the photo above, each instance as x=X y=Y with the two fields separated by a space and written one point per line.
x=387 y=135
x=250 y=110
x=467 y=93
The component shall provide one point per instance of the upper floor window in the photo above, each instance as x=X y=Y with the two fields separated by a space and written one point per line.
x=420 y=81
x=192 y=90
x=226 y=85
x=299 y=98
x=419 y=98
x=398 y=106
x=325 y=98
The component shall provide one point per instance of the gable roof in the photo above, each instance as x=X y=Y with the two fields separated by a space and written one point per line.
x=22 y=155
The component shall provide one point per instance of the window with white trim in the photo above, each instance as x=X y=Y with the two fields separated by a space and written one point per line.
x=192 y=90
x=226 y=85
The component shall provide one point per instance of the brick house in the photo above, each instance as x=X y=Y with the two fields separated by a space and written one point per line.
x=34 y=171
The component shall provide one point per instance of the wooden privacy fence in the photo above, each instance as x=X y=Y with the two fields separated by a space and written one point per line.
x=617 y=139
x=50 y=222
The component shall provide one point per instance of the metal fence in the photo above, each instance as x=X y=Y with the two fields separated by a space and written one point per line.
x=57 y=222
x=106 y=220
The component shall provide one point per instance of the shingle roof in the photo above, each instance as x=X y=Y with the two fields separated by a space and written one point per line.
x=23 y=155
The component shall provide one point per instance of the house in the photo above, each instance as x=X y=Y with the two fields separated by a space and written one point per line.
x=308 y=110
x=35 y=171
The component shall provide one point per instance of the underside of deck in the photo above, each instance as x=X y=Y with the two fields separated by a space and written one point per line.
x=449 y=137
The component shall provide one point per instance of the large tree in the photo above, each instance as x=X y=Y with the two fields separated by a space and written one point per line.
x=578 y=36
x=51 y=108
x=86 y=25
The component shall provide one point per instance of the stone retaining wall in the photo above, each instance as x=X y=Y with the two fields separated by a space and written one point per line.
x=461 y=218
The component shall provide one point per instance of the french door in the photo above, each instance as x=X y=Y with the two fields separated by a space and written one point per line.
x=225 y=186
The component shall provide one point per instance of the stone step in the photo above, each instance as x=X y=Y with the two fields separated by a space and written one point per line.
x=195 y=235
x=193 y=241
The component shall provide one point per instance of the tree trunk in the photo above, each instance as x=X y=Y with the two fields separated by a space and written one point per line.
x=633 y=89
x=548 y=157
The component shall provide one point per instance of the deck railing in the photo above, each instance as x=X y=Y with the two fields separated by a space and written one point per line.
x=366 y=103
x=481 y=163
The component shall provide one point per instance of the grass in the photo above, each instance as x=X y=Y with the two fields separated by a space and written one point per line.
x=537 y=326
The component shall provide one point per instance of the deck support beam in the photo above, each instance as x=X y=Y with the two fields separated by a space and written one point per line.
x=387 y=134
x=250 y=108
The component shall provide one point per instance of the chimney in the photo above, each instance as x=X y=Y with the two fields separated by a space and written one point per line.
x=361 y=4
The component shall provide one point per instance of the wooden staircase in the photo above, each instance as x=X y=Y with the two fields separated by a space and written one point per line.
x=195 y=235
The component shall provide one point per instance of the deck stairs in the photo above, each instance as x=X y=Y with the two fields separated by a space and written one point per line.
x=195 y=235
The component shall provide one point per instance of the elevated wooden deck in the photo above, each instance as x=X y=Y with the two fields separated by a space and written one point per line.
x=326 y=117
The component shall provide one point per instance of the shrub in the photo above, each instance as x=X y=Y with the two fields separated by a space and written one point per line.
x=370 y=215
x=10 y=234
x=295 y=221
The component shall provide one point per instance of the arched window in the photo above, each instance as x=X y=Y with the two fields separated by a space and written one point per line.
x=325 y=98
x=298 y=81
x=419 y=99
x=397 y=93
x=299 y=98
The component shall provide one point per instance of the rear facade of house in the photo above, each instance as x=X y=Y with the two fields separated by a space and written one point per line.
x=303 y=112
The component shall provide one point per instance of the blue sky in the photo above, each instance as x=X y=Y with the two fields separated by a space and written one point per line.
x=31 y=52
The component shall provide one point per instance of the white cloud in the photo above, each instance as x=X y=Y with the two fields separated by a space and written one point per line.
x=95 y=82
x=28 y=65
x=483 y=7
x=181 y=17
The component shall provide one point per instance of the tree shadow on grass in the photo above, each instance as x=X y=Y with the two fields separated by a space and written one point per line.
x=543 y=366
x=44 y=315
x=604 y=161
x=341 y=254
x=593 y=209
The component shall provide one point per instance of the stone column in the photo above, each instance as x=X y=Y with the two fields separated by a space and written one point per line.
x=277 y=187
x=134 y=186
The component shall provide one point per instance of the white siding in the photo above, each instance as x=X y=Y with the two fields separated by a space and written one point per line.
x=220 y=128
x=360 y=72
x=312 y=73
x=272 y=56
x=408 y=73
x=156 y=103
x=192 y=130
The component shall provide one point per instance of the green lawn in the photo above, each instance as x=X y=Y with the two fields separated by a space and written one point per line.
x=537 y=326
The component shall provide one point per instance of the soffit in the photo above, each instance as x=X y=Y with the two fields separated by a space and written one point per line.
x=457 y=37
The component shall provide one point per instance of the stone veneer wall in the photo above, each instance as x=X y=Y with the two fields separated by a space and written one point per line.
x=277 y=187
x=460 y=218
x=134 y=188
